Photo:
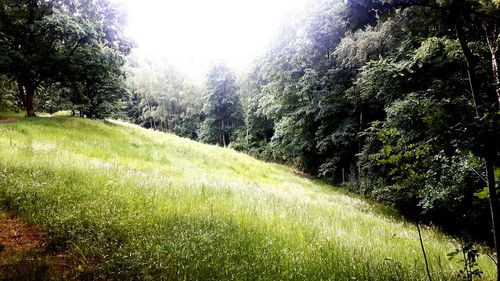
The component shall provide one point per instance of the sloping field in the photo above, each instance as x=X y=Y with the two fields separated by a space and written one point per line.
x=129 y=203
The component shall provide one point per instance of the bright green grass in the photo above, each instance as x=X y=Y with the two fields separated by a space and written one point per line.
x=135 y=204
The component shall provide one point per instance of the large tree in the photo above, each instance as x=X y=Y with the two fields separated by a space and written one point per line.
x=47 y=42
x=222 y=109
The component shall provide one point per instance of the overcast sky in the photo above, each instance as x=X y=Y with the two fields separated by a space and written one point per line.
x=194 y=33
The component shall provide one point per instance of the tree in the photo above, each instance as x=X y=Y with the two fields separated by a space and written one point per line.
x=222 y=109
x=101 y=81
x=191 y=104
x=162 y=99
x=259 y=129
x=302 y=95
x=47 y=42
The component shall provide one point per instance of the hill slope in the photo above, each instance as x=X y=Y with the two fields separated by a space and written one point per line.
x=132 y=203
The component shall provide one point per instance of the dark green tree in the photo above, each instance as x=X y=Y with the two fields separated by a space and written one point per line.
x=258 y=130
x=222 y=110
x=376 y=106
x=48 y=42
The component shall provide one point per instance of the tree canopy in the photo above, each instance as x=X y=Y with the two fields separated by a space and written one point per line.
x=222 y=109
x=78 y=45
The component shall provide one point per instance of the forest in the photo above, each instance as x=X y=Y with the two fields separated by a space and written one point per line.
x=396 y=101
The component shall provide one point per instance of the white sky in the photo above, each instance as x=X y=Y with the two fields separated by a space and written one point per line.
x=192 y=34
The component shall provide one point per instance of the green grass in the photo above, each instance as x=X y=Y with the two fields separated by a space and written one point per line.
x=130 y=203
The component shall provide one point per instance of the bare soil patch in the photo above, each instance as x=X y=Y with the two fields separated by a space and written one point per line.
x=7 y=120
x=16 y=235
x=25 y=253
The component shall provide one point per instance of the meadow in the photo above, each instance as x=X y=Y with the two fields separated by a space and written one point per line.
x=130 y=203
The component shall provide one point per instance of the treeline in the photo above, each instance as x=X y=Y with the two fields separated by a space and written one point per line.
x=161 y=98
x=397 y=100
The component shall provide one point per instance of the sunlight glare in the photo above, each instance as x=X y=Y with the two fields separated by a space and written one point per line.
x=200 y=32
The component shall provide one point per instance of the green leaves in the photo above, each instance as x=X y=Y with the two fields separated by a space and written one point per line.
x=439 y=51
x=65 y=45
x=469 y=256
x=222 y=108
x=483 y=194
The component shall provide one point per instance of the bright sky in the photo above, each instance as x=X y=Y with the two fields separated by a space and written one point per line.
x=195 y=33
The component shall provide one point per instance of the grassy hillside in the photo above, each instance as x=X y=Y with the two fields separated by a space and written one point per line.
x=130 y=203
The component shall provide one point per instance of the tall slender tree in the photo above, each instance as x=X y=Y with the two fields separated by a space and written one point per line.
x=222 y=109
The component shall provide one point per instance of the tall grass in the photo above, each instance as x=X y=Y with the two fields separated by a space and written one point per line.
x=130 y=203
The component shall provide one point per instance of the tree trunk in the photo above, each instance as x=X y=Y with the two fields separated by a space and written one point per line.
x=360 y=144
x=496 y=76
x=343 y=175
x=21 y=94
x=223 y=133
x=493 y=199
x=470 y=63
x=247 y=125
x=491 y=38
x=30 y=107
x=490 y=148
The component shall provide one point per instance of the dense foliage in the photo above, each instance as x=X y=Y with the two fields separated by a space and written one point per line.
x=377 y=95
x=222 y=109
x=64 y=54
x=162 y=99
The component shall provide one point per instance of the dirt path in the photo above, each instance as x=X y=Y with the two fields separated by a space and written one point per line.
x=25 y=253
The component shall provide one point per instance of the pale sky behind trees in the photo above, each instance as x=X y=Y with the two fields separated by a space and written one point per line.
x=192 y=34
